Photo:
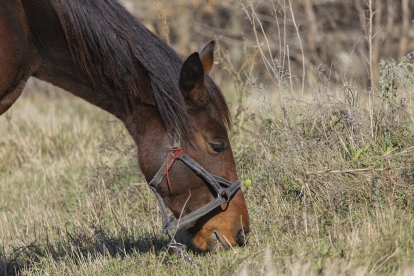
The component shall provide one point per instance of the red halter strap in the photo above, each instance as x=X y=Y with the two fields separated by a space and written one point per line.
x=177 y=153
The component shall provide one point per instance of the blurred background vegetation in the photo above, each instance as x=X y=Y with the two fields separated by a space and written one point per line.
x=335 y=34
x=331 y=30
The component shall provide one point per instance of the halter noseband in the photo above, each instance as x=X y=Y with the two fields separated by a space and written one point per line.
x=224 y=195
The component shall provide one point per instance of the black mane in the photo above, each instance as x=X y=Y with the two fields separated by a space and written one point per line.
x=107 y=41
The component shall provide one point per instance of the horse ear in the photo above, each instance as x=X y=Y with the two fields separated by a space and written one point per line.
x=207 y=56
x=192 y=80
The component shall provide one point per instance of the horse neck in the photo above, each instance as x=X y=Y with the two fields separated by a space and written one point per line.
x=57 y=66
x=54 y=61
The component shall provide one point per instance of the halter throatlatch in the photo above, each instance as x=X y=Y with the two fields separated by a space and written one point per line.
x=170 y=223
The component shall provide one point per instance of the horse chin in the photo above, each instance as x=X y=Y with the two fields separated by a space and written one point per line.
x=219 y=229
x=207 y=241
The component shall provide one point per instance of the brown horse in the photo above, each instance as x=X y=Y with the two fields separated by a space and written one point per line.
x=99 y=52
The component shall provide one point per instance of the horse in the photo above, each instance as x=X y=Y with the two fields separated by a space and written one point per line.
x=176 y=114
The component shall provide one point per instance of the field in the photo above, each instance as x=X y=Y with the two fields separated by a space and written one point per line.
x=327 y=170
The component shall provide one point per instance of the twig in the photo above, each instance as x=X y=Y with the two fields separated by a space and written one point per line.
x=349 y=171
x=383 y=98
x=117 y=220
x=267 y=64
x=385 y=156
x=385 y=259
x=301 y=48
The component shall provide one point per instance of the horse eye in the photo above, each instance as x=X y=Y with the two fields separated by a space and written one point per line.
x=217 y=147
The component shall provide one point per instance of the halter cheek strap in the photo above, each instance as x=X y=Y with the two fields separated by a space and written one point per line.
x=223 y=194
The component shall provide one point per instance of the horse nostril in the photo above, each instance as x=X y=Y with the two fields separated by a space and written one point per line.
x=242 y=237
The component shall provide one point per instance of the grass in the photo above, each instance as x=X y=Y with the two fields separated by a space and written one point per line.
x=328 y=178
x=73 y=201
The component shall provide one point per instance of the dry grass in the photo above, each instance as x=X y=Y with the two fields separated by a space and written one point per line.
x=73 y=201
x=328 y=177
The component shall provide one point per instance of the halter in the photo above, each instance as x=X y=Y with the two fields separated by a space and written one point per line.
x=170 y=223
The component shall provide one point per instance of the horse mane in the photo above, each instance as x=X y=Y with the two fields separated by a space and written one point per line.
x=107 y=42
